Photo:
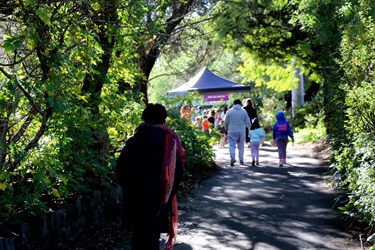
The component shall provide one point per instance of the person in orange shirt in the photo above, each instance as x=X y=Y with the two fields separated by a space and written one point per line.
x=185 y=111
x=205 y=124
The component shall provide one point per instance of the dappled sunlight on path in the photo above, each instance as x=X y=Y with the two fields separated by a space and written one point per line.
x=262 y=207
x=265 y=207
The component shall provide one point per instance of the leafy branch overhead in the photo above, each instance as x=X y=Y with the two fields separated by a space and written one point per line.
x=73 y=82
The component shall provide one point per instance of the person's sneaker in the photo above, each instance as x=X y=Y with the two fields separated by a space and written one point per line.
x=281 y=162
x=257 y=163
x=253 y=164
x=242 y=163
x=232 y=162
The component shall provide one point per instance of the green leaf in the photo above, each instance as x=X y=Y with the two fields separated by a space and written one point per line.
x=44 y=16
x=3 y=186
x=55 y=192
x=11 y=44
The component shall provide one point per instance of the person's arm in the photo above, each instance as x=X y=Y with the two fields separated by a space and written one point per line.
x=290 y=132
x=247 y=121
x=226 y=122
x=262 y=133
x=123 y=161
x=274 y=131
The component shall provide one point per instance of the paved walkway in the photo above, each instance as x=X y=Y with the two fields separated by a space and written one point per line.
x=262 y=208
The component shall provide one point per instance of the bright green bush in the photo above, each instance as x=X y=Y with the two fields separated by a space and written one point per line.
x=312 y=133
x=200 y=161
x=56 y=172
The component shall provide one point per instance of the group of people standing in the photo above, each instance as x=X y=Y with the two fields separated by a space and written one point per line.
x=206 y=120
x=203 y=119
x=242 y=126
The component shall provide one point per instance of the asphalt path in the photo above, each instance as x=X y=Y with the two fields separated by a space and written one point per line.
x=264 y=207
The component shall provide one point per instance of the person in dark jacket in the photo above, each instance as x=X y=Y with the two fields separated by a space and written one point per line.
x=281 y=131
x=149 y=170
x=252 y=113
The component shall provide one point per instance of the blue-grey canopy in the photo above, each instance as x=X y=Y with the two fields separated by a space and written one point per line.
x=206 y=82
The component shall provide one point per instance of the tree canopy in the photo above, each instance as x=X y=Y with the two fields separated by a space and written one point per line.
x=76 y=74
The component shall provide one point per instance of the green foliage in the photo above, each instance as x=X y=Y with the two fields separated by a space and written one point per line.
x=196 y=50
x=355 y=173
x=59 y=112
x=73 y=81
x=273 y=34
x=311 y=132
x=274 y=76
x=355 y=161
x=200 y=161
x=71 y=86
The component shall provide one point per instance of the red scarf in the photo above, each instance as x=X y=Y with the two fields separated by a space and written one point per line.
x=172 y=151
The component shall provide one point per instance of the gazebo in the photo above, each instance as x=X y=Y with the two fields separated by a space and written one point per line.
x=212 y=86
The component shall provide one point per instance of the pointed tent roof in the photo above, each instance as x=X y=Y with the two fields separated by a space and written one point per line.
x=206 y=82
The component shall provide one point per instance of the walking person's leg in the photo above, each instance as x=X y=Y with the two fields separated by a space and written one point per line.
x=222 y=140
x=241 y=145
x=257 y=146
x=247 y=137
x=284 y=149
x=253 y=152
x=280 y=146
x=232 y=140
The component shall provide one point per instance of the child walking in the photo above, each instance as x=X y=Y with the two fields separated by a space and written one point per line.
x=256 y=135
x=223 y=132
x=281 y=131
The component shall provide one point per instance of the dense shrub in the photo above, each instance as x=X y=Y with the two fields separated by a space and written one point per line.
x=198 y=146
x=57 y=172
x=355 y=161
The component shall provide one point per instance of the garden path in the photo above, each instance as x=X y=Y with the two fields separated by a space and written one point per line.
x=265 y=207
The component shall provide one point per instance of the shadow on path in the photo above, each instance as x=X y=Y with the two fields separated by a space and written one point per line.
x=262 y=207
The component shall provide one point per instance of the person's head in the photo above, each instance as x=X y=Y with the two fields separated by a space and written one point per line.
x=255 y=124
x=197 y=118
x=205 y=117
x=212 y=112
x=154 y=113
x=237 y=101
x=249 y=102
x=280 y=116
x=244 y=102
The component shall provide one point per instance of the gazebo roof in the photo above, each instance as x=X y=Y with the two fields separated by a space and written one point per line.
x=206 y=82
